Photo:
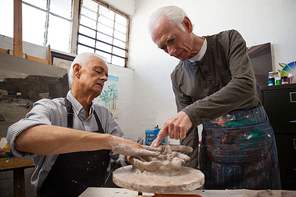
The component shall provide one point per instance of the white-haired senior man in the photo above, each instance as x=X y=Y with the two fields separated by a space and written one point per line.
x=71 y=139
x=214 y=85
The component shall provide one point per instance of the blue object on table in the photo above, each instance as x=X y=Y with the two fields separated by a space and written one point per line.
x=151 y=135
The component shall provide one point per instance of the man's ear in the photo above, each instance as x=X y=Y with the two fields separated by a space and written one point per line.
x=187 y=24
x=76 y=70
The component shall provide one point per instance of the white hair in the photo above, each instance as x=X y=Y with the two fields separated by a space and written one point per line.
x=174 y=14
x=83 y=59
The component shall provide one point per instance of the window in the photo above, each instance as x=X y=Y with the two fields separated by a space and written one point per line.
x=93 y=27
x=103 y=30
x=44 y=22
x=6 y=17
x=48 y=22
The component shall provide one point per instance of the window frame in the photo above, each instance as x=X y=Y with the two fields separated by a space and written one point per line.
x=100 y=2
x=48 y=12
x=74 y=30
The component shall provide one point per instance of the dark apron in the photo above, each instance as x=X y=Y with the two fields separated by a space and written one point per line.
x=72 y=173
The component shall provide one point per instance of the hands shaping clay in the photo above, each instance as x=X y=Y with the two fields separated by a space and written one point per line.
x=124 y=147
x=168 y=162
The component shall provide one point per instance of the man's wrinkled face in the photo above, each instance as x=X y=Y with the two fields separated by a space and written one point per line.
x=94 y=75
x=173 y=40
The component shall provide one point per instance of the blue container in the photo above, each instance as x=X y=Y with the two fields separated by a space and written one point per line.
x=151 y=135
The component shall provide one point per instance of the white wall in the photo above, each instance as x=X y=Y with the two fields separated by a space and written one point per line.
x=258 y=21
x=126 y=6
x=28 y=48
x=126 y=99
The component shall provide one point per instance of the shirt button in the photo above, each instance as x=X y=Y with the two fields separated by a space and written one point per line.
x=210 y=81
x=205 y=72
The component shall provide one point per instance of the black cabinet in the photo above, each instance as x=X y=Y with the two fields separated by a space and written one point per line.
x=280 y=105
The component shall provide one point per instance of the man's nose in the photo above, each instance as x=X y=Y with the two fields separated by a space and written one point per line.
x=105 y=78
x=171 y=51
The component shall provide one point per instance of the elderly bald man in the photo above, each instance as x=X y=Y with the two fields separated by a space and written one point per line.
x=69 y=139
x=214 y=85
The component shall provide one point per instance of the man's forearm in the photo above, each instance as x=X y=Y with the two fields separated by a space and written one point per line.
x=49 y=140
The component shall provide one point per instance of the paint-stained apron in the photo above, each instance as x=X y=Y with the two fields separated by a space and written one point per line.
x=73 y=173
x=238 y=151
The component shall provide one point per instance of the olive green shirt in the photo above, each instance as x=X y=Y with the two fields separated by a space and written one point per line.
x=221 y=82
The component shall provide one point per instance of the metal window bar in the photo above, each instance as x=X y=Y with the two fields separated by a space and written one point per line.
x=98 y=15
x=96 y=31
x=96 y=39
x=96 y=49
x=47 y=10
x=46 y=24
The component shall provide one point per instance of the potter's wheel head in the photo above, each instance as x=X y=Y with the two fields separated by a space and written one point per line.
x=187 y=179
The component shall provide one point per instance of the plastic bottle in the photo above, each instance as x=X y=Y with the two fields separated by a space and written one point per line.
x=290 y=78
x=284 y=80
x=277 y=79
x=271 y=78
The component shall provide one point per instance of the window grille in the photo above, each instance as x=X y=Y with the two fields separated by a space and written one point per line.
x=103 y=30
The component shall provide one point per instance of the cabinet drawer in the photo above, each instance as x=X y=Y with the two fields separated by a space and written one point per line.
x=286 y=146
x=280 y=105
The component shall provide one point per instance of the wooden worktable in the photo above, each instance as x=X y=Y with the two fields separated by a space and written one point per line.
x=14 y=163
x=18 y=166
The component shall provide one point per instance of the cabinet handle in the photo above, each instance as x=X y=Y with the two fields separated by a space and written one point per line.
x=294 y=140
x=292 y=121
x=292 y=97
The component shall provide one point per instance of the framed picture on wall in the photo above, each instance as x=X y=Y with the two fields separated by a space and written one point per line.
x=109 y=95
x=62 y=60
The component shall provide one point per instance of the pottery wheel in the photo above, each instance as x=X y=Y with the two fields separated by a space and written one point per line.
x=187 y=179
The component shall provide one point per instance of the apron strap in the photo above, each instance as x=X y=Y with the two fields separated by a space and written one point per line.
x=101 y=130
x=70 y=113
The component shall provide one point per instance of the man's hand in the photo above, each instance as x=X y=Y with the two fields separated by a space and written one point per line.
x=130 y=148
x=169 y=160
x=175 y=127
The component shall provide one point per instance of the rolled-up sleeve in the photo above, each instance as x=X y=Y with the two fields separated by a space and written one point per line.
x=37 y=116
